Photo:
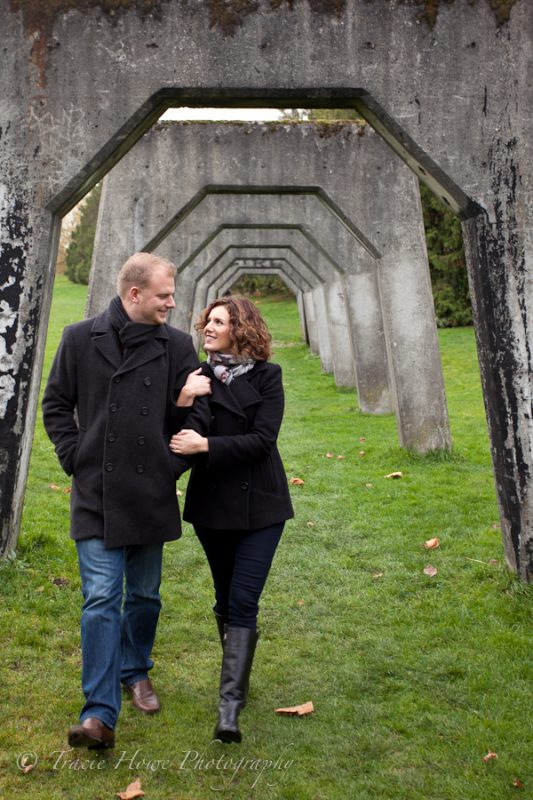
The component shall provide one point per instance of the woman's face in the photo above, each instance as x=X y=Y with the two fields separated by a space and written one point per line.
x=217 y=331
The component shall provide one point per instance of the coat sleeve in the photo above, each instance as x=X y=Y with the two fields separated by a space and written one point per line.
x=262 y=436
x=60 y=400
x=196 y=416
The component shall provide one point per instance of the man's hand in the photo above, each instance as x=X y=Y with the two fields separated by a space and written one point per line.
x=196 y=385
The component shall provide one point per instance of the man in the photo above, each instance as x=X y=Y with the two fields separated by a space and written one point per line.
x=114 y=396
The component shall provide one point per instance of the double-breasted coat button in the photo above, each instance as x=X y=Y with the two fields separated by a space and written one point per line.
x=113 y=407
x=140 y=439
x=144 y=411
x=111 y=437
x=140 y=469
x=147 y=381
x=116 y=379
x=109 y=466
x=244 y=486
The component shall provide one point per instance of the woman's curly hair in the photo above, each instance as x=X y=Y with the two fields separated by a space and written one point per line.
x=249 y=333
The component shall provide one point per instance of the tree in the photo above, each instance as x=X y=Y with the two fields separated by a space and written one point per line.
x=447 y=262
x=80 y=249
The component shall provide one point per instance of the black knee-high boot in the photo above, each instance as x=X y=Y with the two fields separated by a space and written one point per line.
x=222 y=621
x=239 y=649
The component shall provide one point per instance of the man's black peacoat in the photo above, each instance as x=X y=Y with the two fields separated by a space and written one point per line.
x=240 y=484
x=111 y=421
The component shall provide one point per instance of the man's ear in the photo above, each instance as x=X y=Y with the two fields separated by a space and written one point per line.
x=133 y=294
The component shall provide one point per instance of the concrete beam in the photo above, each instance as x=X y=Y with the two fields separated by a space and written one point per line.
x=453 y=111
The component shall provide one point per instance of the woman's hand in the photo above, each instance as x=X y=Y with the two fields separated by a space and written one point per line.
x=187 y=443
x=196 y=385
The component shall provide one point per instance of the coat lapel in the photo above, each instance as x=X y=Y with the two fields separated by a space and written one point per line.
x=153 y=348
x=105 y=340
x=238 y=395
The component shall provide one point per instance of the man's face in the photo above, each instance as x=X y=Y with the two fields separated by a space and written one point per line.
x=152 y=303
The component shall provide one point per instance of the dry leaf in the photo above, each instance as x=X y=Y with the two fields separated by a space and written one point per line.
x=296 y=481
x=518 y=784
x=54 y=487
x=490 y=755
x=369 y=485
x=300 y=603
x=377 y=574
x=394 y=475
x=132 y=791
x=361 y=452
x=60 y=581
x=297 y=711
x=362 y=439
x=495 y=526
x=430 y=570
x=329 y=455
x=310 y=524
x=179 y=492
x=494 y=562
x=339 y=458
x=67 y=490
x=432 y=544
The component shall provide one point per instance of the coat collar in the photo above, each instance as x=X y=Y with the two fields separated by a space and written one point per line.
x=105 y=340
x=239 y=394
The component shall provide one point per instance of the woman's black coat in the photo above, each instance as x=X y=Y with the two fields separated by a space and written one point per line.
x=240 y=484
x=111 y=421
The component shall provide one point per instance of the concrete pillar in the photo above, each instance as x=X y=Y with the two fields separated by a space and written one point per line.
x=312 y=328
x=322 y=323
x=368 y=341
x=340 y=335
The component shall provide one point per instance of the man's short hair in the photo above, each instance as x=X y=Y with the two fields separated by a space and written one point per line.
x=138 y=269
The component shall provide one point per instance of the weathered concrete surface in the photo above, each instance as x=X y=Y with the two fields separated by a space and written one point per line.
x=79 y=86
x=244 y=167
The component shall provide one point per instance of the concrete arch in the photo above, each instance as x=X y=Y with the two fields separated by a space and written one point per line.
x=58 y=142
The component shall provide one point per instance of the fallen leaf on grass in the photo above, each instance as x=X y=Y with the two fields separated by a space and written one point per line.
x=330 y=455
x=296 y=481
x=362 y=439
x=67 y=490
x=132 y=791
x=310 y=524
x=394 y=475
x=340 y=457
x=494 y=562
x=430 y=570
x=518 y=784
x=490 y=755
x=369 y=485
x=179 y=492
x=300 y=603
x=297 y=711
x=432 y=544
x=361 y=452
x=377 y=574
x=60 y=581
x=54 y=487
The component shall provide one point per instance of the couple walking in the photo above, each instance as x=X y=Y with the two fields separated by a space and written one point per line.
x=129 y=409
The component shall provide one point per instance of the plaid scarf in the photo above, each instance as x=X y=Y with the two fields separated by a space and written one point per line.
x=228 y=367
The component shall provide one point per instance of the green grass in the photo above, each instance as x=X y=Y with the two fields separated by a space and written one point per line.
x=414 y=679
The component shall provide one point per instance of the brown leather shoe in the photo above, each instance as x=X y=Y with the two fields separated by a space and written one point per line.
x=91 y=733
x=143 y=696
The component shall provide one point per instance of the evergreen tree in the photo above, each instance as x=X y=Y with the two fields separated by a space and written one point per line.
x=80 y=249
x=446 y=262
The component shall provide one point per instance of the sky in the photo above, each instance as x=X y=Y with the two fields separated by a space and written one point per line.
x=222 y=114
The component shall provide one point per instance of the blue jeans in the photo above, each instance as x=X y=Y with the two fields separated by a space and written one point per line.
x=240 y=562
x=119 y=618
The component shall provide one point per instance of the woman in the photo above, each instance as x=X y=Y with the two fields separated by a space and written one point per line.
x=238 y=497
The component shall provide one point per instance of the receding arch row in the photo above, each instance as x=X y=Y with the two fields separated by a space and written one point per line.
x=477 y=145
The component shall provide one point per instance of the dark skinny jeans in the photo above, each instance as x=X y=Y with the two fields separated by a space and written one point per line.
x=240 y=562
